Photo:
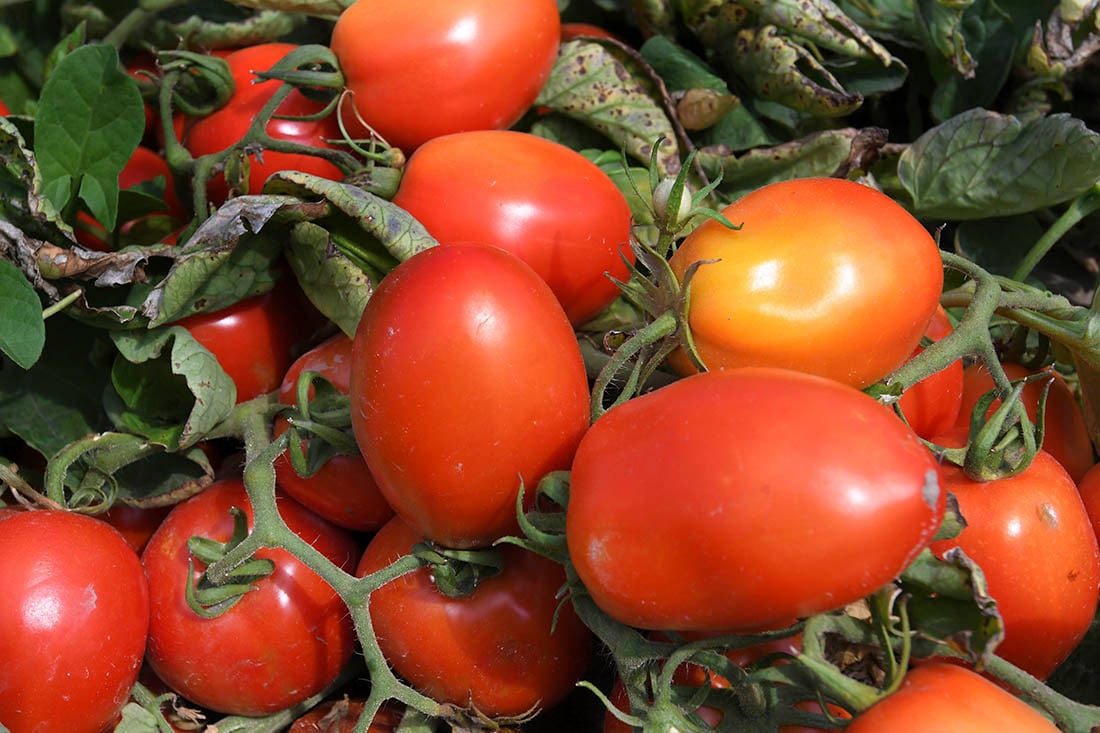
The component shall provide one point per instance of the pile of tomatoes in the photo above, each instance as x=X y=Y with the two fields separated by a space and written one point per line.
x=455 y=513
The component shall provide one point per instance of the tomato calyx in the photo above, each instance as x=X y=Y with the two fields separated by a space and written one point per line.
x=204 y=597
x=319 y=426
x=457 y=573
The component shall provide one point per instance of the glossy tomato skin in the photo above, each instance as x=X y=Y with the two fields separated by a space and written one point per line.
x=947 y=697
x=254 y=339
x=73 y=624
x=466 y=378
x=342 y=490
x=682 y=502
x=281 y=643
x=418 y=72
x=494 y=648
x=228 y=124
x=543 y=202
x=1089 y=489
x=825 y=276
x=1032 y=537
x=932 y=405
x=1066 y=436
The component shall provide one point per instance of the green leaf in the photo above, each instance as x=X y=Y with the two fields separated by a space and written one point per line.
x=60 y=399
x=207 y=30
x=90 y=120
x=589 y=84
x=335 y=285
x=179 y=393
x=823 y=23
x=22 y=330
x=679 y=68
x=998 y=244
x=981 y=164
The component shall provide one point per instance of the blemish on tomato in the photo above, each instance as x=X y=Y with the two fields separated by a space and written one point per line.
x=1048 y=515
x=931 y=489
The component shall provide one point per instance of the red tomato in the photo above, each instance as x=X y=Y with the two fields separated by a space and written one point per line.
x=466 y=378
x=947 y=697
x=824 y=276
x=342 y=490
x=253 y=339
x=541 y=201
x=74 y=616
x=282 y=642
x=1031 y=536
x=1066 y=435
x=683 y=518
x=4 y=111
x=340 y=716
x=144 y=166
x=1089 y=489
x=506 y=648
x=932 y=404
x=134 y=524
x=569 y=31
x=227 y=125
x=420 y=71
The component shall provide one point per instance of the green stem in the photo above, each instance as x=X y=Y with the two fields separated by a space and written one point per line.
x=62 y=304
x=1081 y=207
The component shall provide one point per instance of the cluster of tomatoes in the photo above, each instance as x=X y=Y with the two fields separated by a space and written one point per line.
x=761 y=486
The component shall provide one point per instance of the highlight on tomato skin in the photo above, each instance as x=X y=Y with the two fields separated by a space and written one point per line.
x=823 y=275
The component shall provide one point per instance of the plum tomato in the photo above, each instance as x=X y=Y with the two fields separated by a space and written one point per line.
x=254 y=339
x=1031 y=536
x=1066 y=437
x=681 y=509
x=227 y=125
x=283 y=641
x=1089 y=489
x=342 y=490
x=420 y=71
x=824 y=275
x=506 y=648
x=466 y=379
x=932 y=405
x=947 y=697
x=74 y=617
x=541 y=201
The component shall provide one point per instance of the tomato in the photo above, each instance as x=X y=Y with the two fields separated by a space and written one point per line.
x=1031 y=536
x=420 y=71
x=135 y=524
x=466 y=379
x=74 y=616
x=569 y=31
x=1066 y=436
x=824 y=276
x=4 y=111
x=691 y=507
x=253 y=339
x=282 y=642
x=541 y=201
x=948 y=697
x=144 y=167
x=342 y=490
x=340 y=716
x=508 y=647
x=1089 y=489
x=227 y=125
x=932 y=405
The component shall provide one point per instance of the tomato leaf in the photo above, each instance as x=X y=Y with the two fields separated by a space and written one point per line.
x=172 y=390
x=980 y=164
x=335 y=285
x=60 y=399
x=22 y=330
x=21 y=199
x=90 y=120
x=227 y=259
x=204 y=31
x=589 y=84
x=998 y=244
x=823 y=23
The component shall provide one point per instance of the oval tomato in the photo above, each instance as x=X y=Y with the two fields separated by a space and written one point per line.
x=466 y=379
x=824 y=276
x=1031 y=536
x=947 y=697
x=1089 y=489
x=691 y=507
x=282 y=642
x=74 y=616
x=227 y=125
x=932 y=405
x=342 y=490
x=253 y=339
x=420 y=71
x=508 y=647
x=541 y=201
x=1066 y=437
